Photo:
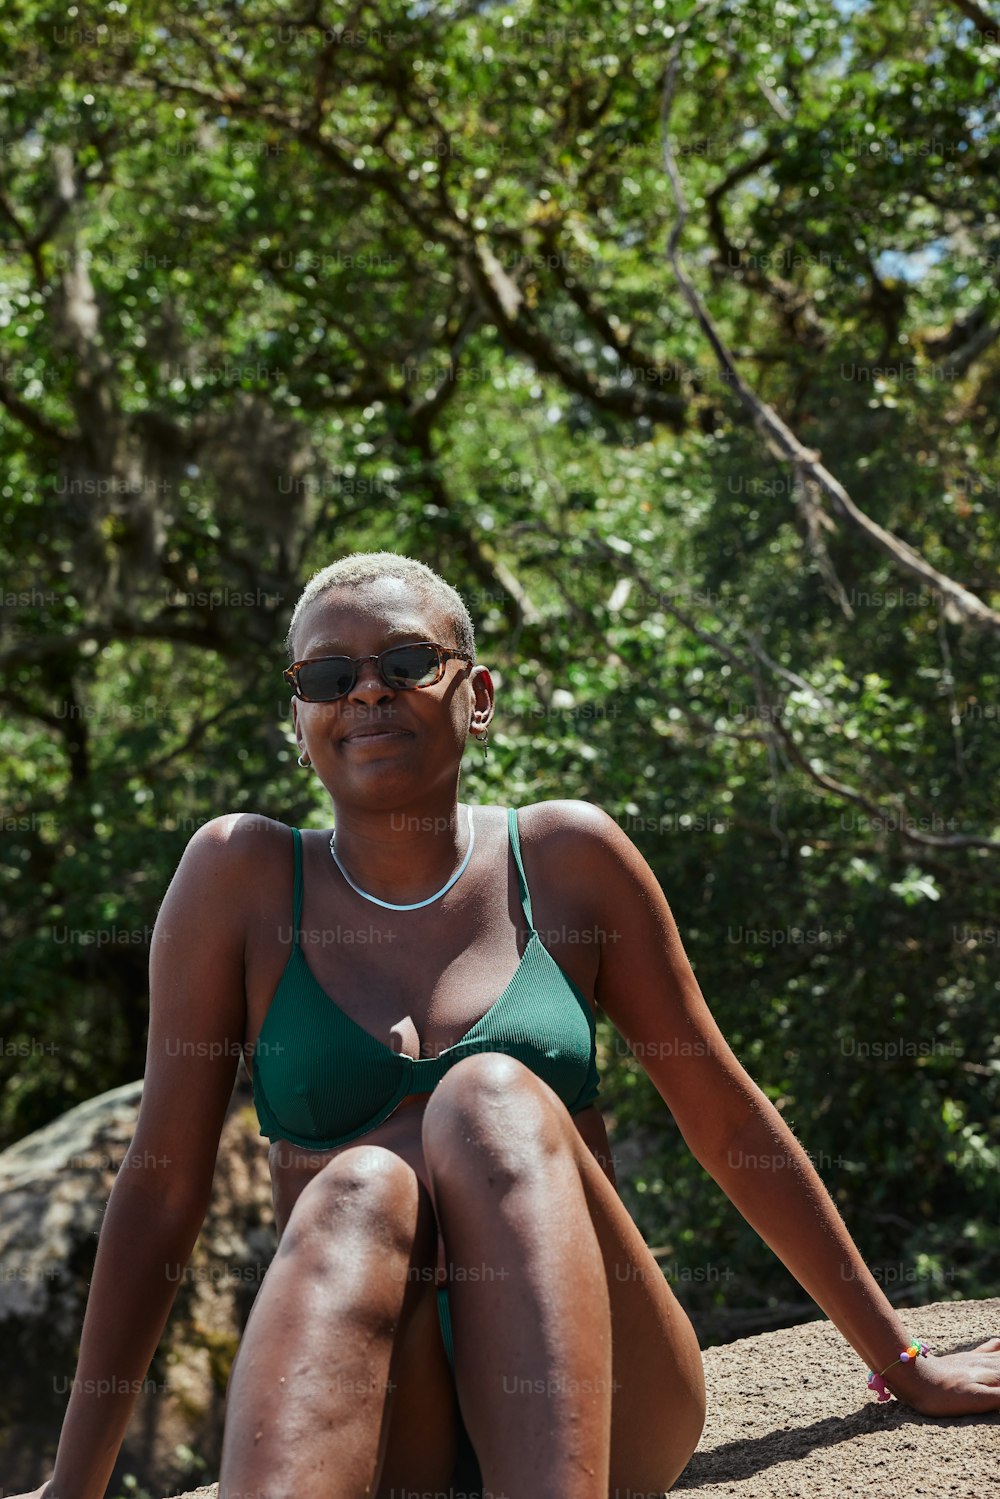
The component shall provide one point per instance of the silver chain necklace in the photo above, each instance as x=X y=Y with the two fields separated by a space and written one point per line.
x=390 y=905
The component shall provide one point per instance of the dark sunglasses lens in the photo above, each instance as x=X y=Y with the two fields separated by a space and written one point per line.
x=322 y=681
x=410 y=665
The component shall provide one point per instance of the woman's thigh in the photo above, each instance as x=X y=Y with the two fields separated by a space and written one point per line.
x=658 y=1385
x=421 y=1443
x=658 y=1389
x=419 y=1427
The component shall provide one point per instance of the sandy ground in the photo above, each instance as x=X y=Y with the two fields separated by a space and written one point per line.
x=789 y=1414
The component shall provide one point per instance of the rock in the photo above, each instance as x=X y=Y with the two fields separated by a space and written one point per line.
x=789 y=1415
x=54 y=1188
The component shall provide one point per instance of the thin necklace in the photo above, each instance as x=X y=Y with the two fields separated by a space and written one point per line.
x=390 y=905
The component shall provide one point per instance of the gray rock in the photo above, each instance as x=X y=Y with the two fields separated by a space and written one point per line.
x=54 y=1189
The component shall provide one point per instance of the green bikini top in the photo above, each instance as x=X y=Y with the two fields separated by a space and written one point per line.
x=320 y=1079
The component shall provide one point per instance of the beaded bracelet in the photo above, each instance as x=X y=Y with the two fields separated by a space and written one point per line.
x=878 y=1384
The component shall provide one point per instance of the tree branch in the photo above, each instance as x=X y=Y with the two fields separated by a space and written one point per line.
x=631 y=357
x=504 y=302
x=898 y=817
x=33 y=420
x=960 y=605
x=983 y=22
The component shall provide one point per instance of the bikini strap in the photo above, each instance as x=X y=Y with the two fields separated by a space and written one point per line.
x=515 y=844
x=297 y=896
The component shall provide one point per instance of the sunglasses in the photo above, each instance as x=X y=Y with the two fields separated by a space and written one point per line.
x=327 y=678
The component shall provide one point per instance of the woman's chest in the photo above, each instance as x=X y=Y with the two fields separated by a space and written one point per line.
x=418 y=983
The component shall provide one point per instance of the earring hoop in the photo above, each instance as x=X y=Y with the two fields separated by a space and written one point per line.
x=304 y=760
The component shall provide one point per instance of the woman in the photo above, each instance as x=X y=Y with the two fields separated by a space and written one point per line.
x=415 y=996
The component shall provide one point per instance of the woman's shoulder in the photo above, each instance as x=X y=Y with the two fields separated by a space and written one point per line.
x=582 y=843
x=240 y=833
x=245 y=852
x=565 y=821
x=571 y=840
x=570 y=849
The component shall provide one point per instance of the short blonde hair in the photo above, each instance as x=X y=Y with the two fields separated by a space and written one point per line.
x=369 y=567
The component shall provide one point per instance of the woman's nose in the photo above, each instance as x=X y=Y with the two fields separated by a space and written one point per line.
x=369 y=681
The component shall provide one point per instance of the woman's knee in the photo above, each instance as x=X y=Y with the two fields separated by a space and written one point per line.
x=489 y=1106
x=367 y=1189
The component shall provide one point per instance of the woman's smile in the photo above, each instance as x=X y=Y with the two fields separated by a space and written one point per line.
x=373 y=735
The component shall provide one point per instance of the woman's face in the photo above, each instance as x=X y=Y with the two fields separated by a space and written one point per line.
x=427 y=726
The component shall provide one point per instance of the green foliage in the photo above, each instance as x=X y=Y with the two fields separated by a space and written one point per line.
x=271 y=292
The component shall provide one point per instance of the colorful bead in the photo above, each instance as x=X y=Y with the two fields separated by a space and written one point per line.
x=915 y=1350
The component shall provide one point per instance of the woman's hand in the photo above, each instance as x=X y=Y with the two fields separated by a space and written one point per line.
x=958 y=1384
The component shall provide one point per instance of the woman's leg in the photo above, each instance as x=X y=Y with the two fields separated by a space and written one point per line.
x=522 y=1202
x=531 y=1311
x=310 y=1391
x=421 y=1448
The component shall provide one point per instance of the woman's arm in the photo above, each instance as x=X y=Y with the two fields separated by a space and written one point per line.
x=648 y=990
x=767 y=1175
x=141 y=1254
x=161 y=1194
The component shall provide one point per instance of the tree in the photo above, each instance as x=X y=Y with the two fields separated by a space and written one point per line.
x=279 y=283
